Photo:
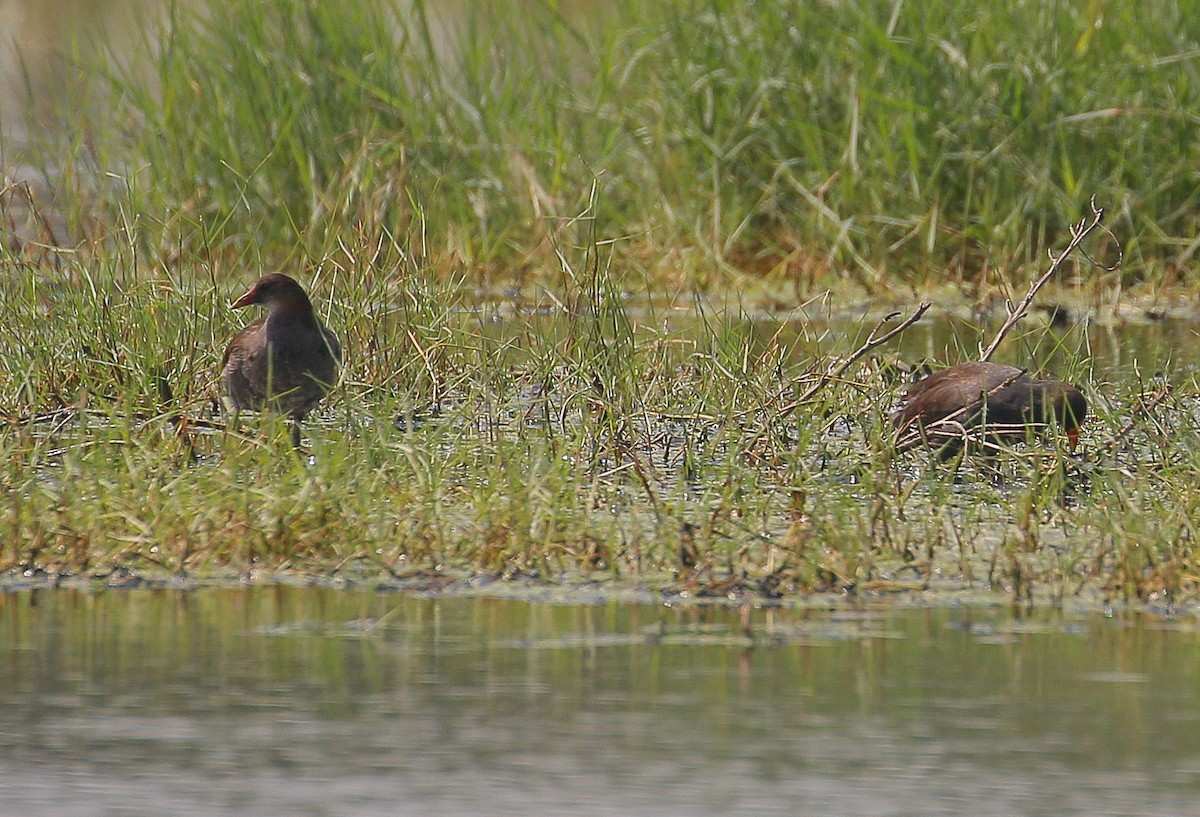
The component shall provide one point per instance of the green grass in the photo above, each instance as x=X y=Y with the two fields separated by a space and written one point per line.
x=877 y=142
x=525 y=240
x=582 y=437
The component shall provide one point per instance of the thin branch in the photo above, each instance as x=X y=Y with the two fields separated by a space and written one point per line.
x=1079 y=232
x=873 y=341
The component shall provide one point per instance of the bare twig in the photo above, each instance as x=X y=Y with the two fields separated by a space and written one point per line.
x=873 y=340
x=1079 y=232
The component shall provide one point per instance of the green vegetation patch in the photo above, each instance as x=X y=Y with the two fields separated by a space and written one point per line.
x=500 y=214
x=587 y=437
x=883 y=142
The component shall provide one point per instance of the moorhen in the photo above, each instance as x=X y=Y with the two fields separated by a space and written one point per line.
x=285 y=360
x=987 y=400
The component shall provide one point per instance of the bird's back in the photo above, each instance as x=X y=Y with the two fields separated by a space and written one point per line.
x=962 y=390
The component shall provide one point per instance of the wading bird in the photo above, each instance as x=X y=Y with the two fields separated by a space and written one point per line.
x=285 y=361
x=986 y=402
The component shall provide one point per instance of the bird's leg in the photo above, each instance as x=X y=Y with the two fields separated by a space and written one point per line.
x=296 y=418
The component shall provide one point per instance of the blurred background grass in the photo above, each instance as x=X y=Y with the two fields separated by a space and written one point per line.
x=872 y=141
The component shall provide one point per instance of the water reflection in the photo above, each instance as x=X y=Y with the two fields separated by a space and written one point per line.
x=313 y=702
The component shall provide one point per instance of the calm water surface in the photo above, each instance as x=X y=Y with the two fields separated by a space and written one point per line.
x=289 y=701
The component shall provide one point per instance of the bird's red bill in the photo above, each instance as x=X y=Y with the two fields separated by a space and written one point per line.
x=247 y=299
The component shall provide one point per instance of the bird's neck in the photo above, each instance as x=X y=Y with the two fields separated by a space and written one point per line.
x=291 y=315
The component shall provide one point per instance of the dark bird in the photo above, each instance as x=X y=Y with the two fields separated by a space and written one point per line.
x=986 y=401
x=286 y=360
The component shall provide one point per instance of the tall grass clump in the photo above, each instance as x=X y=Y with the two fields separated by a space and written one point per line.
x=882 y=140
x=897 y=138
x=289 y=124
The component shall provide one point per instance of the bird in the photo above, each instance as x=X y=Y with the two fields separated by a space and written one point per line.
x=985 y=400
x=287 y=360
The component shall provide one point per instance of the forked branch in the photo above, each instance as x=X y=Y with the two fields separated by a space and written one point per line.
x=1079 y=232
x=839 y=368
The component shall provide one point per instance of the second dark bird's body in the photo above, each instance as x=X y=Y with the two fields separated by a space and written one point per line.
x=986 y=401
x=286 y=360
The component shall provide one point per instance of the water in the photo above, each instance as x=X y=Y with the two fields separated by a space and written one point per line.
x=297 y=701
